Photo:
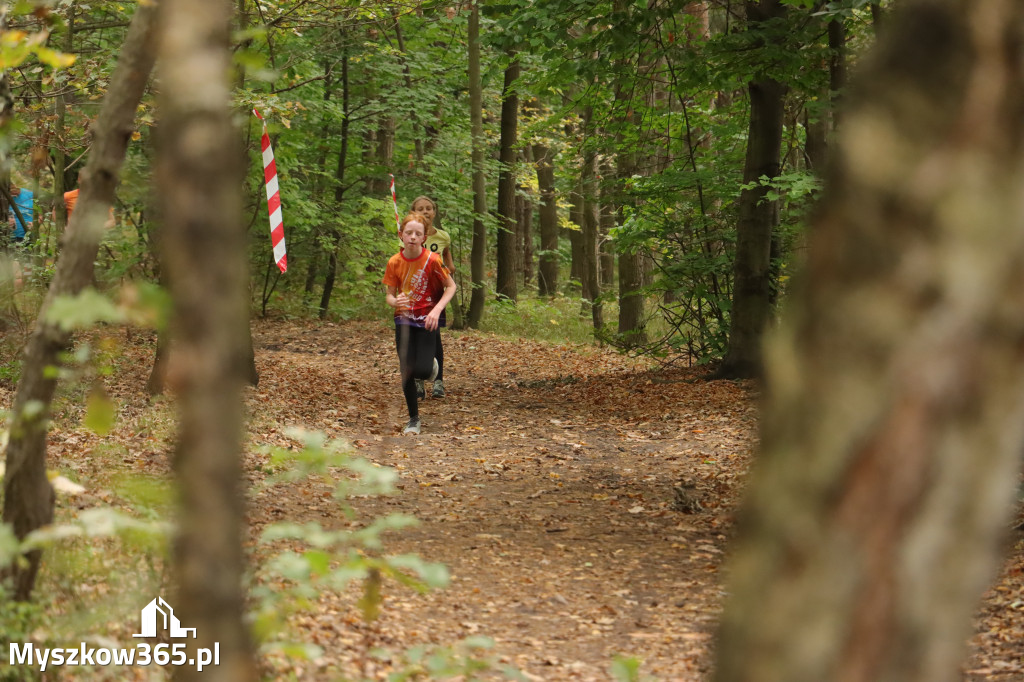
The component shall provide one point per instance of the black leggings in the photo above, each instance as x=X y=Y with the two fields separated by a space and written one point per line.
x=415 y=360
x=439 y=354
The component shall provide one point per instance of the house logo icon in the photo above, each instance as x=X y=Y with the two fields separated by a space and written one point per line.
x=159 y=610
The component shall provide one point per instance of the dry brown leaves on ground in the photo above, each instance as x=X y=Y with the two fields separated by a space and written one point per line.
x=582 y=501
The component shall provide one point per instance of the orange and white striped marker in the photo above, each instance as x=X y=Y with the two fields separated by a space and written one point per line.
x=273 y=199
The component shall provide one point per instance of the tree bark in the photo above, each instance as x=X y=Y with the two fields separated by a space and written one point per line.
x=576 y=256
x=28 y=496
x=379 y=183
x=631 y=267
x=508 y=245
x=479 y=249
x=524 y=222
x=606 y=221
x=59 y=155
x=6 y=119
x=819 y=128
x=407 y=78
x=200 y=174
x=894 y=390
x=339 y=189
x=877 y=18
x=590 y=264
x=547 y=277
x=751 y=297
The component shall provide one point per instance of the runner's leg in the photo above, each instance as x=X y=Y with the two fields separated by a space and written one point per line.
x=406 y=364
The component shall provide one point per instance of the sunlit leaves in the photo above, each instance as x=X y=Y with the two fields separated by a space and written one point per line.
x=143 y=304
x=17 y=46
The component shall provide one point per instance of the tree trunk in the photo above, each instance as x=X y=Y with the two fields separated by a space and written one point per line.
x=28 y=496
x=59 y=155
x=322 y=185
x=547 y=277
x=819 y=129
x=576 y=236
x=508 y=245
x=380 y=184
x=479 y=251
x=588 y=179
x=894 y=390
x=877 y=18
x=816 y=144
x=836 y=66
x=200 y=174
x=606 y=221
x=157 y=380
x=312 y=269
x=632 y=320
x=524 y=223
x=407 y=78
x=632 y=270
x=339 y=190
x=751 y=296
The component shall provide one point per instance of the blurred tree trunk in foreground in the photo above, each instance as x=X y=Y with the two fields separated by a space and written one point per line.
x=894 y=410
x=28 y=496
x=199 y=172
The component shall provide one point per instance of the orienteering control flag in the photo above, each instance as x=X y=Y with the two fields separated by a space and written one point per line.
x=273 y=199
x=394 y=200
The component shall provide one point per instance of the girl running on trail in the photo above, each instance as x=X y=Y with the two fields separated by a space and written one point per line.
x=438 y=241
x=419 y=287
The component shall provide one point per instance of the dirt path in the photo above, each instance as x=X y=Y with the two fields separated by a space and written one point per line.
x=544 y=481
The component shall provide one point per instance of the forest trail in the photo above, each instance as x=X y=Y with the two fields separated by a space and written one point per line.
x=544 y=481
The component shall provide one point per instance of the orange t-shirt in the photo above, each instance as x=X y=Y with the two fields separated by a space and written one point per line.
x=422 y=280
x=70 y=199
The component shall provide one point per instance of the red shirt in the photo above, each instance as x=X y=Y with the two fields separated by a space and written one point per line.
x=422 y=280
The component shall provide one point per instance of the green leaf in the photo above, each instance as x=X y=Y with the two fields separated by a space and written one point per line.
x=626 y=669
x=100 y=413
x=319 y=562
x=83 y=310
x=478 y=642
x=10 y=548
x=58 y=60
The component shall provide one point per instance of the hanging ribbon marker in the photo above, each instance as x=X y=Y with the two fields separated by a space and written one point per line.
x=273 y=199
x=394 y=200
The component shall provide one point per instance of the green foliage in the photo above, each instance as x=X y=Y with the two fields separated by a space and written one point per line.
x=18 y=619
x=463 y=661
x=95 y=574
x=670 y=99
x=332 y=559
x=10 y=371
x=143 y=304
x=625 y=669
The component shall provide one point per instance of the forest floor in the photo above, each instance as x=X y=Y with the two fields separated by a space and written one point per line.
x=545 y=482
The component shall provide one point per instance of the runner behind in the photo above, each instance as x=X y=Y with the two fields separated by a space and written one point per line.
x=439 y=242
x=419 y=287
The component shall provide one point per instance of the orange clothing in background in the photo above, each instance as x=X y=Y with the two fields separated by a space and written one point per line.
x=70 y=199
